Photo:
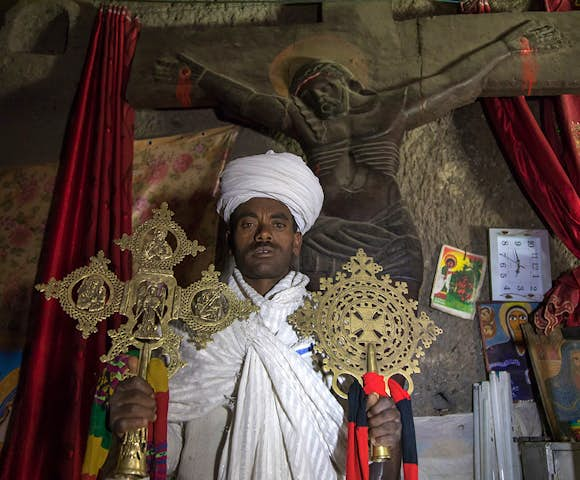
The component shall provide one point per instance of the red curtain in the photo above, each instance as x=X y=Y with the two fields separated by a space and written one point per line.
x=543 y=175
x=91 y=207
x=545 y=160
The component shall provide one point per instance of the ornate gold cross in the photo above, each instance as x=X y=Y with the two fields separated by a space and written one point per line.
x=364 y=323
x=150 y=301
x=354 y=312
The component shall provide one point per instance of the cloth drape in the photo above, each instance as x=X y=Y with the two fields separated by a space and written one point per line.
x=545 y=160
x=91 y=207
x=409 y=441
x=561 y=305
x=375 y=383
x=285 y=422
x=357 y=448
x=538 y=169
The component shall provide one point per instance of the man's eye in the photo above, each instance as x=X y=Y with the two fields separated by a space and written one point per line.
x=279 y=225
x=246 y=224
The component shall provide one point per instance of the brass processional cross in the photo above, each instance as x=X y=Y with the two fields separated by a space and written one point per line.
x=150 y=301
x=363 y=323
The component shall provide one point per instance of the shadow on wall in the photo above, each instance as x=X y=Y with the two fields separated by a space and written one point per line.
x=42 y=46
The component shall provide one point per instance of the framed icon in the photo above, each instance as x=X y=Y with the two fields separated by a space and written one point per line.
x=504 y=347
x=555 y=361
x=458 y=281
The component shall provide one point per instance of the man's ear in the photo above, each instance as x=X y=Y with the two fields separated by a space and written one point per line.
x=297 y=243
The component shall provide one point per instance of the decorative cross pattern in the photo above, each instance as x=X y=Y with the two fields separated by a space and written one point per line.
x=152 y=298
x=361 y=310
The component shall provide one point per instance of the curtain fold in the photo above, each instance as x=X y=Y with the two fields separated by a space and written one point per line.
x=537 y=167
x=560 y=119
x=91 y=207
x=545 y=160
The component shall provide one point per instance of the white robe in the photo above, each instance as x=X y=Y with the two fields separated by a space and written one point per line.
x=280 y=419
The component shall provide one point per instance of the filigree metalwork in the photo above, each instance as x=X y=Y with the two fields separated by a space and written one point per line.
x=354 y=311
x=149 y=301
x=89 y=294
x=152 y=298
x=159 y=243
x=209 y=306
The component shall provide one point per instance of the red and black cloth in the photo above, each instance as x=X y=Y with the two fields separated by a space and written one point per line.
x=402 y=400
x=357 y=467
x=357 y=452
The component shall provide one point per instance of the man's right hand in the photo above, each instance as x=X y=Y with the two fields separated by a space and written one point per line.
x=133 y=405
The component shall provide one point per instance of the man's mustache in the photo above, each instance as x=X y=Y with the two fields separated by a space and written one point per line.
x=256 y=245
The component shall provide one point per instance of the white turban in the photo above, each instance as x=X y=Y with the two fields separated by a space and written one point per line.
x=281 y=176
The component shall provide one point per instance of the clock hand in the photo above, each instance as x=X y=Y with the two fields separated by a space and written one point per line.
x=508 y=258
x=520 y=266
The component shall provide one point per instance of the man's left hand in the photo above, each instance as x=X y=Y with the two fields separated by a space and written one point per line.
x=384 y=421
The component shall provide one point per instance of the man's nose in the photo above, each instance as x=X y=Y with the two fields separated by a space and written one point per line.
x=264 y=233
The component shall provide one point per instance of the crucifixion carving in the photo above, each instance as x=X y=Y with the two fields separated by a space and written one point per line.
x=349 y=115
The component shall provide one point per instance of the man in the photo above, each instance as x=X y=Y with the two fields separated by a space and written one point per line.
x=251 y=405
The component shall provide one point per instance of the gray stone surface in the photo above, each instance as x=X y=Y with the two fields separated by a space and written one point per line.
x=37 y=89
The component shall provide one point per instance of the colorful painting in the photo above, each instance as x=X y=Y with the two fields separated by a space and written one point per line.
x=504 y=347
x=457 y=283
x=9 y=372
x=556 y=364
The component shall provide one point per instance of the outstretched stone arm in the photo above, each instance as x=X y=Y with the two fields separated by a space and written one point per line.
x=238 y=100
x=457 y=94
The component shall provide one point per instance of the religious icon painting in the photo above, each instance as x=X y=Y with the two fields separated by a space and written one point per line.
x=556 y=364
x=457 y=283
x=9 y=373
x=504 y=347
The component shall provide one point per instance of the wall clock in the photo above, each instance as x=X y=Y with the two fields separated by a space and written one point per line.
x=519 y=264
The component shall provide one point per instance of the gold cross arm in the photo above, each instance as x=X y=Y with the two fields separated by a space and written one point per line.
x=151 y=299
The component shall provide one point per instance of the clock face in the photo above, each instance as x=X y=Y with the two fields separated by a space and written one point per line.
x=520 y=266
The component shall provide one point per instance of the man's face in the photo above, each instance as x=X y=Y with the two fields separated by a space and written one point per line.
x=263 y=240
x=326 y=96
